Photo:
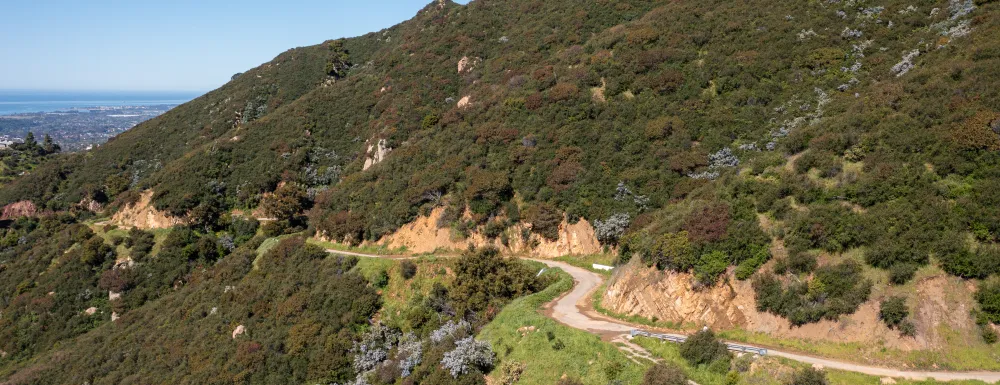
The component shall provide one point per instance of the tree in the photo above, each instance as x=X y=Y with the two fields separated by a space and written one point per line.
x=95 y=252
x=286 y=202
x=48 y=146
x=339 y=60
x=665 y=374
x=29 y=140
x=545 y=220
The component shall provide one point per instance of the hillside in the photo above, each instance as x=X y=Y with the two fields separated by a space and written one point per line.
x=821 y=156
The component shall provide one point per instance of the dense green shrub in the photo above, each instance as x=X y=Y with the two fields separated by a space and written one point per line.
x=703 y=348
x=544 y=220
x=809 y=376
x=893 y=311
x=407 y=269
x=901 y=273
x=664 y=374
x=988 y=297
x=485 y=281
x=796 y=263
x=834 y=290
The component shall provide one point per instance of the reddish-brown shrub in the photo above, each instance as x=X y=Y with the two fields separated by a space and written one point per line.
x=563 y=91
x=708 y=222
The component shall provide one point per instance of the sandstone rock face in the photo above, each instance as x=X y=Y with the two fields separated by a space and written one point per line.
x=19 y=209
x=144 y=216
x=376 y=153
x=238 y=331
x=466 y=64
x=942 y=313
x=464 y=101
x=424 y=236
x=90 y=311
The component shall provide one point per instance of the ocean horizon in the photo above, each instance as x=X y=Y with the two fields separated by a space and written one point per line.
x=27 y=101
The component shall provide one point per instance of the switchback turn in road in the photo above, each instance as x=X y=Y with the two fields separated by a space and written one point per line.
x=570 y=310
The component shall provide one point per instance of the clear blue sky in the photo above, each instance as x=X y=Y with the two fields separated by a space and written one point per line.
x=187 y=45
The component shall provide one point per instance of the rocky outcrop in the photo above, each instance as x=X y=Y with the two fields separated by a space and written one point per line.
x=464 y=101
x=424 y=236
x=90 y=205
x=376 y=153
x=144 y=215
x=239 y=331
x=19 y=209
x=942 y=312
x=466 y=64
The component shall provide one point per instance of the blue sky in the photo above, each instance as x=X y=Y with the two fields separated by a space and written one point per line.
x=187 y=45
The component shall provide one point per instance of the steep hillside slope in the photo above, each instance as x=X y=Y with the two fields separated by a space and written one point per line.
x=819 y=154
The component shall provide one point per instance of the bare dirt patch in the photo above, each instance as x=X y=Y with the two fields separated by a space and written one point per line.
x=144 y=215
x=423 y=236
x=941 y=309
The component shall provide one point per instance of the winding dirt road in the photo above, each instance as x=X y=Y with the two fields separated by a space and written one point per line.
x=572 y=310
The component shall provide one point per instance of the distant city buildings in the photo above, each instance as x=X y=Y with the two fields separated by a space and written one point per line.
x=79 y=128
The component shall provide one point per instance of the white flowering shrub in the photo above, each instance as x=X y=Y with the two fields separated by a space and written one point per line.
x=849 y=33
x=623 y=193
x=227 y=242
x=468 y=354
x=450 y=329
x=707 y=175
x=373 y=348
x=608 y=231
x=723 y=158
x=906 y=64
x=409 y=354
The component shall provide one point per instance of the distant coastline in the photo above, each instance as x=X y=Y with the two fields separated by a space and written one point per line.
x=25 y=101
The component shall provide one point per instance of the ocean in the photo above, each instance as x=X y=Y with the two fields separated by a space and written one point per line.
x=16 y=102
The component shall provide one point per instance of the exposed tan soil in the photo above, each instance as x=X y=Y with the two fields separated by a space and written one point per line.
x=424 y=236
x=144 y=216
x=943 y=304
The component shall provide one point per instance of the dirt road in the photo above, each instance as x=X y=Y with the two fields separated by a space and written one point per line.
x=572 y=310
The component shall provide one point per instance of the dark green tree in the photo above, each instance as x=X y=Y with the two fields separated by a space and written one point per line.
x=48 y=146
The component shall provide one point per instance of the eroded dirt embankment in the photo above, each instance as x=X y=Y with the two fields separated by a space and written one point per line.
x=941 y=313
x=423 y=235
x=144 y=215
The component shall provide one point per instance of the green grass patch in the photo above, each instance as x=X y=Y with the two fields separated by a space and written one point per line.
x=588 y=261
x=581 y=354
x=367 y=249
x=401 y=294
